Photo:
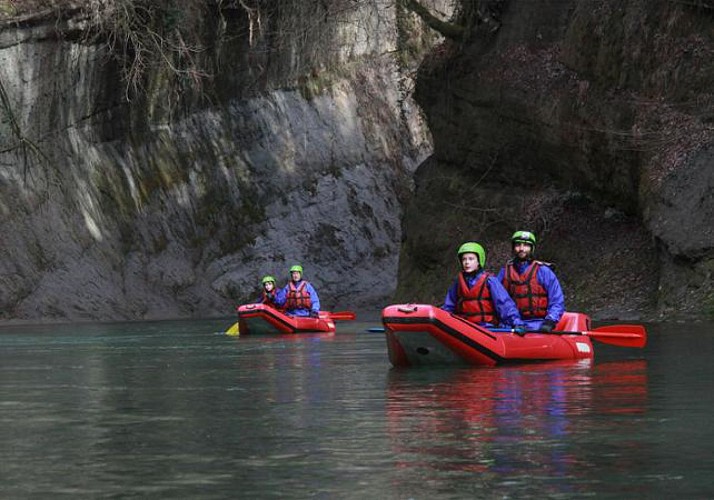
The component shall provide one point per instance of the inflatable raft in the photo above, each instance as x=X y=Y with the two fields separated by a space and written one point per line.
x=420 y=334
x=260 y=318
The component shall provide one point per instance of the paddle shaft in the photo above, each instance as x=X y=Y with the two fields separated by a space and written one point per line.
x=342 y=315
x=619 y=335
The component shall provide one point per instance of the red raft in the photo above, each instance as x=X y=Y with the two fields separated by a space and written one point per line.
x=260 y=318
x=420 y=334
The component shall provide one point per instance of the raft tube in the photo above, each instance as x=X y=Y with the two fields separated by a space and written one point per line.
x=421 y=334
x=261 y=318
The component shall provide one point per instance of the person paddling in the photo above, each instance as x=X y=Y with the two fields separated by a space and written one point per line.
x=299 y=297
x=533 y=285
x=270 y=292
x=478 y=296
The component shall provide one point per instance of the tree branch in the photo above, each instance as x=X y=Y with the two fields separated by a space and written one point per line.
x=448 y=30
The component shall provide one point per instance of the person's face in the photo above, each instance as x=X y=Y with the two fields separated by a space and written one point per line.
x=269 y=286
x=522 y=251
x=469 y=262
x=295 y=275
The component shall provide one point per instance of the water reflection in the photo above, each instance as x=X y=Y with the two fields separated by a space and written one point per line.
x=295 y=374
x=508 y=421
x=180 y=410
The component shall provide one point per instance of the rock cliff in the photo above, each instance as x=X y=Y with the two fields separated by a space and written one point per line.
x=159 y=157
x=588 y=122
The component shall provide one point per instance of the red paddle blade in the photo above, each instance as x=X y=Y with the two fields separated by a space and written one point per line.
x=620 y=335
x=343 y=315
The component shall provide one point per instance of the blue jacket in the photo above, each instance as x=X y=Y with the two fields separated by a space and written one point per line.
x=282 y=296
x=502 y=302
x=548 y=280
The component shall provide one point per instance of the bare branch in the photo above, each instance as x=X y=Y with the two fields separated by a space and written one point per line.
x=448 y=30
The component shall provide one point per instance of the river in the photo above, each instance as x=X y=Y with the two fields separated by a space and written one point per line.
x=177 y=409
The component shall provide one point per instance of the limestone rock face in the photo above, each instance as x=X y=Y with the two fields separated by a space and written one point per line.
x=588 y=123
x=171 y=195
x=146 y=184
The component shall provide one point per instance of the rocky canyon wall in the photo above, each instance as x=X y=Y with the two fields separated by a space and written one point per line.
x=588 y=122
x=163 y=176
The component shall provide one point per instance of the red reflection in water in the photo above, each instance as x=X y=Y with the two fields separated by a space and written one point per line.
x=295 y=337
x=621 y=387
x=506 y=419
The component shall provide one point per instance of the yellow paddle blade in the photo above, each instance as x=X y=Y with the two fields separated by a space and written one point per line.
x=233 y=330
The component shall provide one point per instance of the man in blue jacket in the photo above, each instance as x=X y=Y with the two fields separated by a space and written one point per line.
x=477 y=295
x=299 y=297
x=533 y=285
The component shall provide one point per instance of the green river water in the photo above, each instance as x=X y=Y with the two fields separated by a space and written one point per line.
x=177 y=409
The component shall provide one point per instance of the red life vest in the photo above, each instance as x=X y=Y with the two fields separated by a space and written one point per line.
x=529 y=295
x=298 y=297
x=475 y=303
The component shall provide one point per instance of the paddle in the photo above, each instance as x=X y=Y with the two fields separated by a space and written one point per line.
x=619 y=335
x=233 y=330
x=342 y=315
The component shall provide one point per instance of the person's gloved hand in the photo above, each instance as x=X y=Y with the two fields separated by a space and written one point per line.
x=547 y=326
x=314 y=314
x=519 y=330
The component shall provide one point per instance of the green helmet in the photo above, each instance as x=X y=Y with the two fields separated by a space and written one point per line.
x=524 y=237
x=296 y=268
x=267 y=279
x=473 y=247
